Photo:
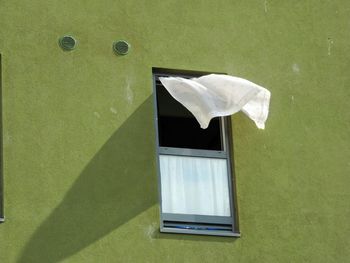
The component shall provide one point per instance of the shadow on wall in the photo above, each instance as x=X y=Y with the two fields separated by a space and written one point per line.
x=116 y=185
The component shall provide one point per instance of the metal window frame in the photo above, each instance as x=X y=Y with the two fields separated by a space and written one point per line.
x=2 y=213
x=218 y=225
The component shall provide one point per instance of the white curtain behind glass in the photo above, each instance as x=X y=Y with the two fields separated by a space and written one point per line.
x=194 y=185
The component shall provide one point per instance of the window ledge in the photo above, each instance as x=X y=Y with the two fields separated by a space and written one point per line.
x=200 y=232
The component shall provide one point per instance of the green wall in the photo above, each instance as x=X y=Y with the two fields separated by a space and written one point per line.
x=78 y=135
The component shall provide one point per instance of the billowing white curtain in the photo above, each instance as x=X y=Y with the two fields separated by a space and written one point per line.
x=194 y=185
x=220 y=95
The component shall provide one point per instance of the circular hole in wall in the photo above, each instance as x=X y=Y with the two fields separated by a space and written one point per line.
x=67 y=43
x=121 y=47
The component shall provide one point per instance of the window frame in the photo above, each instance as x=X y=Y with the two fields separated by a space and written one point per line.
x=2 y=216
x=197 y=224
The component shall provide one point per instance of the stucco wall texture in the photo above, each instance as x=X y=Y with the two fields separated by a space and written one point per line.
x=79 y=140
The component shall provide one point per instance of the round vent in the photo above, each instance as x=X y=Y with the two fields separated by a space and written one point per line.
x=67 y=43
x=121 y=47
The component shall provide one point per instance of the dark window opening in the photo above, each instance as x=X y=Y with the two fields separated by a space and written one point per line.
x=178 y=128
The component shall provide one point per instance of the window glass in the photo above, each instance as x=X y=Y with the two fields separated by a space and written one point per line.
x=194 y=185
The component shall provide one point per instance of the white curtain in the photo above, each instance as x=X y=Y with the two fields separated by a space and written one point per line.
x=220 y=95
x=194 y=185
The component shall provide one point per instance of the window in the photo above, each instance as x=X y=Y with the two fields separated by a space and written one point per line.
x=194 y=168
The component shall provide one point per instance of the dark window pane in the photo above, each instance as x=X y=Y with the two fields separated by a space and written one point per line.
x=178 y=128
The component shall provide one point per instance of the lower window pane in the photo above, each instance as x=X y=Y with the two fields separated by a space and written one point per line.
x=194 y=185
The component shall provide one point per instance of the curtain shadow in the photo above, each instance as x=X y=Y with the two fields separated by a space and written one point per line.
x=117 y=184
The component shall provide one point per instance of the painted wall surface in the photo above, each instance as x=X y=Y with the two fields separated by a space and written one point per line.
x=79 y=141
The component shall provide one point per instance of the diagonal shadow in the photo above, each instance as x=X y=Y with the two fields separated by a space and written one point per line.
x=116 y=185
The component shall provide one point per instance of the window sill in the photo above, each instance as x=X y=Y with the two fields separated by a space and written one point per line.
x=200 y=232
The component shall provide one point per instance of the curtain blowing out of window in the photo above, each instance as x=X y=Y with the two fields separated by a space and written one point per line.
x=216 y=95
x=200 y=185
